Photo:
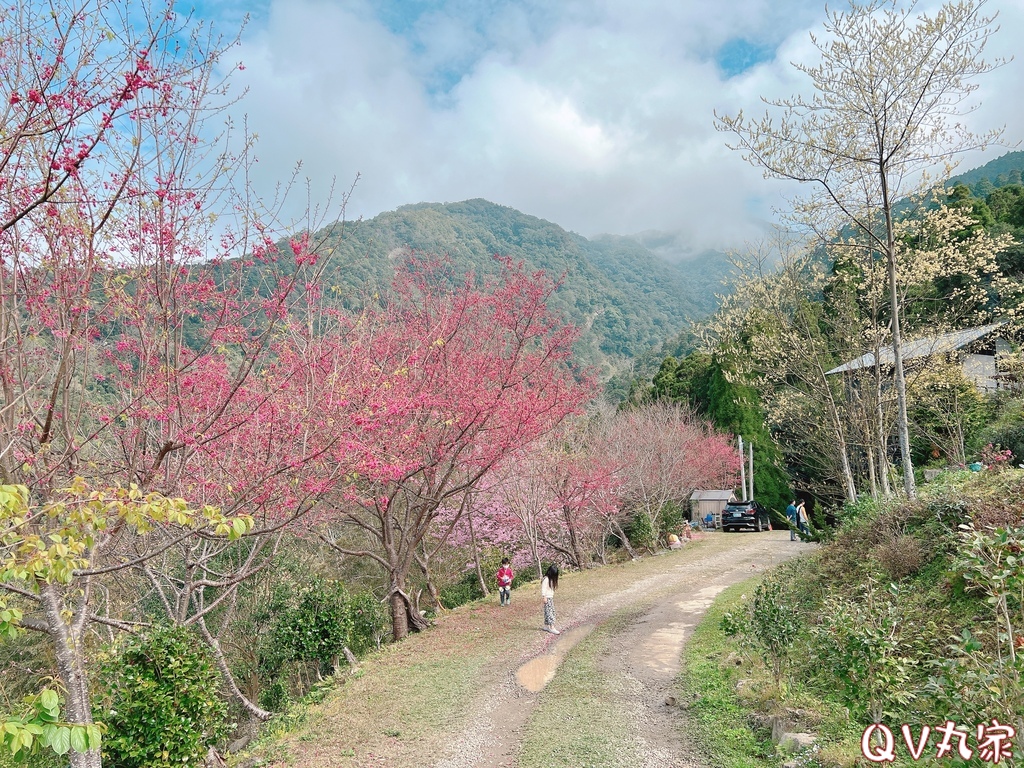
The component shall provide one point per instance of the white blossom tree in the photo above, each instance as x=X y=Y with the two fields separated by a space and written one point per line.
x=889 y=91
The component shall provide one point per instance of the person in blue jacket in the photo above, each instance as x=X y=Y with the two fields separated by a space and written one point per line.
x=792 y=517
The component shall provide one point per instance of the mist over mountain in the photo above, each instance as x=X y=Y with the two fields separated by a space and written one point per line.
x=634 y=297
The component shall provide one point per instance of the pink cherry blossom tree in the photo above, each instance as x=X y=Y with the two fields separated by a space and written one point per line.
x=661 y=453
x=470 y=372
x=136 y=362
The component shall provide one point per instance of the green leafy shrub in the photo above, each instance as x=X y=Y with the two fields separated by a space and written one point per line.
x=41 y=759
x=915 y=613
x=774 y=623
x=866 y=652
x=1007 y=430
x=640 y=531
x=317 y=627
x=324 y=620
x=770 y=623
x=671 y=517
x=854 y=511
x=369 y=622
x=992 y=655
x=465 y=590
x=274 y=697
x=160 y=701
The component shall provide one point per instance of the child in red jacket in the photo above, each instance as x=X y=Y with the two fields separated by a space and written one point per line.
x=505 y=577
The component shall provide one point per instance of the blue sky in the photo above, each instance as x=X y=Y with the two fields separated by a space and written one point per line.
x=595 y=114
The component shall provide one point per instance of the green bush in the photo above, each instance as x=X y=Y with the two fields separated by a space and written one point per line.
x=854 y=511
x=368 y=622
x=317 y=628
x=1006 y=430
x=465 y=590
x=323 y=621
x=773 y=622
x=160 y=701
x=274 y=697
x=640 y=531
x=671 y=517
x=770 y=624
x=868 y=652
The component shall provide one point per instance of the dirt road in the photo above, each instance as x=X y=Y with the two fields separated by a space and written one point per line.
x=486 y=687
x=636 y=655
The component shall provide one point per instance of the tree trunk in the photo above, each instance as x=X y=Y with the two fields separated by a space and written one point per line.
x=574 y=543
x=404 y=615
x=476 y=553
x=909 y=485
x=871 y=474
x=601 y=546
x=90 y=759
x=535 y=547
x=68 y=648
x=225 y=672
x=624 y=539
x=399 y=617
x=883 y=440
x=652 y=520
x=849 y=484
x=423 y=561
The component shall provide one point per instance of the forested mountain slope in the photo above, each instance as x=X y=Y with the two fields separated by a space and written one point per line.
x=624 y=297
x=1001 y=172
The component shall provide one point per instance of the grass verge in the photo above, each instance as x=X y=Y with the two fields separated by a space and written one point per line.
x=397 y=706
x=718 y=720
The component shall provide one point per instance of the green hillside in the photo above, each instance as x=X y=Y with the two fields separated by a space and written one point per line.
x=625 y=298
x=1002 y=172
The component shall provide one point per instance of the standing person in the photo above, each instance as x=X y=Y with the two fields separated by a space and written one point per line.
x=792 y=517
x=548 y=585
x=504 y=578
x=801 y=516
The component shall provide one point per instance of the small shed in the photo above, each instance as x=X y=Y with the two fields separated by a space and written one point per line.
x=710 y=502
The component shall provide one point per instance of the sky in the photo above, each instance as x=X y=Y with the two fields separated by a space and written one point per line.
x=597 y=115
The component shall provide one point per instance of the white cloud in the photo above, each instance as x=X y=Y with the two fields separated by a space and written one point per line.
x=595 y=115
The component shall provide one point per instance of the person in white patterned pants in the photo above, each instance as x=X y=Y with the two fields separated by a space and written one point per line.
x=548 y=585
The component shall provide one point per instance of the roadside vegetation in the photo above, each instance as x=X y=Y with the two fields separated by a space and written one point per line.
x=711 y=692
x=911 y=614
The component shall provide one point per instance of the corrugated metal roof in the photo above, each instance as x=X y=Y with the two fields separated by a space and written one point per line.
x=711 y=495
x=926 y=347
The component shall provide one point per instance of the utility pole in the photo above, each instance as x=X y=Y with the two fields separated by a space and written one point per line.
x=750 y=447
x=743 y=470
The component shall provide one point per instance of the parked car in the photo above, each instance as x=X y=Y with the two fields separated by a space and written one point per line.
x=745 y=514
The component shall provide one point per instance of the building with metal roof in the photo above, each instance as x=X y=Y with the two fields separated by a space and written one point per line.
x=980 y=368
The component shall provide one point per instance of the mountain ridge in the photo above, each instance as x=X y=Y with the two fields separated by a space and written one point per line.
x=631 y=295
x=624 y=297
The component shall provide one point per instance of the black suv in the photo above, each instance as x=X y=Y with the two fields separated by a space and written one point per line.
x=744 y=514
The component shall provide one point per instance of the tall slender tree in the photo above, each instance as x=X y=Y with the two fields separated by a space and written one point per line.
x=889 y=91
